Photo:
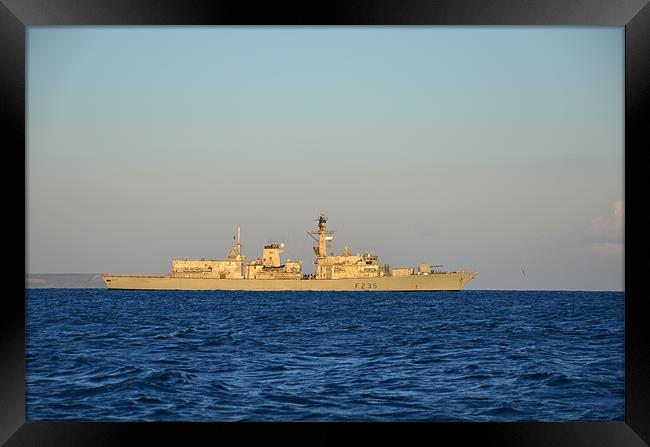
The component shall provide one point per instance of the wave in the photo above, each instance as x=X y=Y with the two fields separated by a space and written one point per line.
x=105 y=356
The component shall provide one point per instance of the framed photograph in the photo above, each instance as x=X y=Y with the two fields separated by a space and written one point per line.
x=369 y=213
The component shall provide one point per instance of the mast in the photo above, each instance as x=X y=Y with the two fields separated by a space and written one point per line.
x=324 y=236
x=322 y=232
x=238 y=243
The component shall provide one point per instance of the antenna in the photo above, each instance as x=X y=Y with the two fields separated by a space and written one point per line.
x=238 y=241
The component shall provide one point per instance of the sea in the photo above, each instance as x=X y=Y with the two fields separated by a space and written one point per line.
x=111 y=355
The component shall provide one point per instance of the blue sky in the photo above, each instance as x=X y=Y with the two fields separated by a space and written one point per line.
x=495 y=149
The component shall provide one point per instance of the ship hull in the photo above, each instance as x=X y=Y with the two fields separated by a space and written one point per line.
x=450 y=281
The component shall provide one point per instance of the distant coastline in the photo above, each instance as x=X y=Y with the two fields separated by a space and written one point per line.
x=64 y=281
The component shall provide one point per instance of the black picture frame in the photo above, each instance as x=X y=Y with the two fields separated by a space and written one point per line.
x=634 y=15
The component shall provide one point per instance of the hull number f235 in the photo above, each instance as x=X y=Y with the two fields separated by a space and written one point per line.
x=365 y=285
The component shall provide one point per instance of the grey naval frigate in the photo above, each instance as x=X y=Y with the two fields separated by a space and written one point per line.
x=343 y=272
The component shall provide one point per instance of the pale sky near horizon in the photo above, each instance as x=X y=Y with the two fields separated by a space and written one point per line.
x=495 y=149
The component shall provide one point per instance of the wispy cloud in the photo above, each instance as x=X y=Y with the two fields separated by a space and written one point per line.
x=608 y=249
x=608 y=232
x=610 y=226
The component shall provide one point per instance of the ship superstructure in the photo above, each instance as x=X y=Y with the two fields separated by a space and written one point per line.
x=346 y=271
x=345 y=265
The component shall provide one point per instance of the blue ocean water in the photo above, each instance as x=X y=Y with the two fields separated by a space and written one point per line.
x=100 y=355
